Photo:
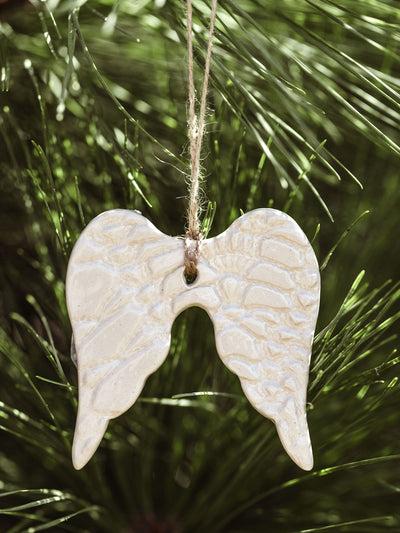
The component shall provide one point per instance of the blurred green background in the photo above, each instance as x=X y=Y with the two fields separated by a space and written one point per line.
x=304 y=113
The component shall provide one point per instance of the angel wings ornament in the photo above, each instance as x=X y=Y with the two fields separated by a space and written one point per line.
x=258 y=281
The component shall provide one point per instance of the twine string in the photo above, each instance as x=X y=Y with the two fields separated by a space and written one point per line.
x=196 y=131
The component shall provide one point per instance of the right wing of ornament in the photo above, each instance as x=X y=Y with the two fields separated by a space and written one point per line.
x=268 y=288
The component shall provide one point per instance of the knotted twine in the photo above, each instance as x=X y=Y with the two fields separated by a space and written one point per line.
x=196 y=130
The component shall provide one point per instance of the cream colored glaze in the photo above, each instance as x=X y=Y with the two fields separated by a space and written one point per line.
x=258 y=281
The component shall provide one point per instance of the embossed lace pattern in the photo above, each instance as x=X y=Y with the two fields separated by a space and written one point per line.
x=258 y=281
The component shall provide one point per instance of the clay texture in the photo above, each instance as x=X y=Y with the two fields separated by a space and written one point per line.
x=258 y=281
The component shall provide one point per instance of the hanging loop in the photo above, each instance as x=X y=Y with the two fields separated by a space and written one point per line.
x=196 y=130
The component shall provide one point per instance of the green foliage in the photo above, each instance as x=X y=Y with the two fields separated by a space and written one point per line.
x=304 y=115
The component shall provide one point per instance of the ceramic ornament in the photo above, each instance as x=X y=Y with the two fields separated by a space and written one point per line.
x=258 y=281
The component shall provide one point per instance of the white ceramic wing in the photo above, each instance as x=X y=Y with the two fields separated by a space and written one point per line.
x=268 y=288
x=258 y=281
x=121 y=324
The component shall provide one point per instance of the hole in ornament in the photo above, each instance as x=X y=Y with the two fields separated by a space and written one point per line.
x=190 y=278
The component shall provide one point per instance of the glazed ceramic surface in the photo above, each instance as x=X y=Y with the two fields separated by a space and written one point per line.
x=258 y=281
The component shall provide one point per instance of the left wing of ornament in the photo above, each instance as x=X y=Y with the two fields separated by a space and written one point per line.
x=121 y=322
